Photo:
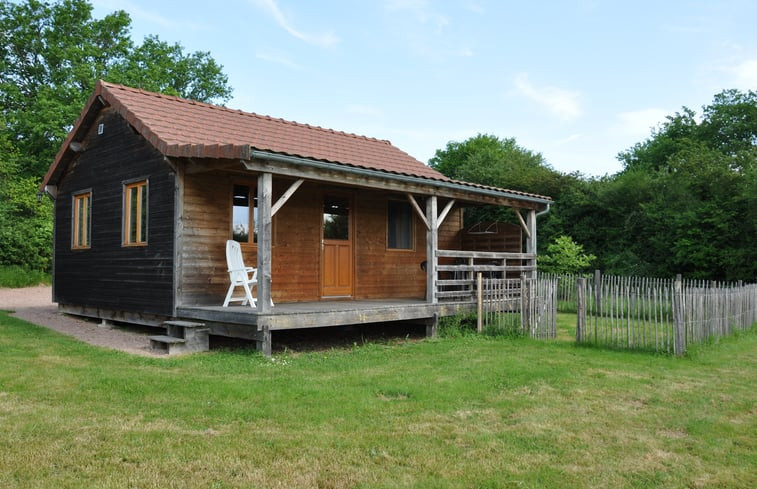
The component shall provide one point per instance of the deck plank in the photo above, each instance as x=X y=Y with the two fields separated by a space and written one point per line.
x=320 y=314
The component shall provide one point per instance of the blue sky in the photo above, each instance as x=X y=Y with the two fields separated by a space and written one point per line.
x=577 y=81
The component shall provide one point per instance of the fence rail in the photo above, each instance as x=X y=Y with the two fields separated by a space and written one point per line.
x=457 y=271
x=661 y=315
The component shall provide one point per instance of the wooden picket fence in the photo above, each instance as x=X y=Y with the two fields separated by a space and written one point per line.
x=660 y=315
x=525 y=306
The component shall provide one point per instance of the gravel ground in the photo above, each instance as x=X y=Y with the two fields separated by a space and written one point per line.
x=34 y=304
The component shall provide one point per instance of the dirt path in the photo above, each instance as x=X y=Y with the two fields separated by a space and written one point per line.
x=34 y=304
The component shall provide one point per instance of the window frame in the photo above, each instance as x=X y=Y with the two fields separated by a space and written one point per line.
x=85 y=195
x=142 y=228
x=411 y=223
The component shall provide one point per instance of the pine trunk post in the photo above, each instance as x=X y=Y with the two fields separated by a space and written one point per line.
x=480 y=302
x=432 y=245
x=525 y=304
x=264 y=343
x=679 y=345
x=264 y=238
x=432 y=325
x=581 y=309
x=597 y=291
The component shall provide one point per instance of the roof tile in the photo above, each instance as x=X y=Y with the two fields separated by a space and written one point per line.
x=182 y=124
x=186 y=128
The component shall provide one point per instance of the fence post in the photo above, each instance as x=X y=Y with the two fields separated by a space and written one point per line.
x=580 y=309
x=525 y=304
x=597 y=290
x=480 y=302
x=679 y=329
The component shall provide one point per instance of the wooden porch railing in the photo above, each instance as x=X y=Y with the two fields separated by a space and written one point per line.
x=456 y=281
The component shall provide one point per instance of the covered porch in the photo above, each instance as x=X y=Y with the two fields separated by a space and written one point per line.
x=432 y=278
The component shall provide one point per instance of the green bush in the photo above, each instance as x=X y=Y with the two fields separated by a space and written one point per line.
x=457 y=326
x=26 y=225
x=14 y=277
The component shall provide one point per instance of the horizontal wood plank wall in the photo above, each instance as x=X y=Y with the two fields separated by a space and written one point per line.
x=207 y=226
x=379 y=273
x=108 y=275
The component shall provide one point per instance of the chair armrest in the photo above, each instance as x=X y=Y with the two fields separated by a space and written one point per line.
x=245 y=269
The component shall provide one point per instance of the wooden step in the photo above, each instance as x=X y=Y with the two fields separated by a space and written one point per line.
x=183 y=324
x=169 y=344
x=182 y=337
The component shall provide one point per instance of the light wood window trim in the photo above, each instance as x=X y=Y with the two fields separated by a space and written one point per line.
x=142 y=188
x=76 y=218
x=412 y=227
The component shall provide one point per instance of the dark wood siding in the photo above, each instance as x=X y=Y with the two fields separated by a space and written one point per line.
x=108 y=275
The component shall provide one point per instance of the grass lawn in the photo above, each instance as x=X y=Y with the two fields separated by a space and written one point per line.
x=468 y=412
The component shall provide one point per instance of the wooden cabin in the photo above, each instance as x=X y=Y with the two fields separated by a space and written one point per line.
x=342 y=228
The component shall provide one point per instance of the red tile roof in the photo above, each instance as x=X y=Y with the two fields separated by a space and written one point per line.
x=185 y=128
x=179 y=127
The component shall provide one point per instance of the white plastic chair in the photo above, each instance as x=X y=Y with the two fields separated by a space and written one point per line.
x=239 y=275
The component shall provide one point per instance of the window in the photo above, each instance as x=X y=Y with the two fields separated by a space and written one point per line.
x=242 y=220
x=399 y=226
x=135 y=214
x=336 y=218
x=82 y=212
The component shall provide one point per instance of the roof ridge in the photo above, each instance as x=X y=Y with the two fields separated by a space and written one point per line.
x=175 y=98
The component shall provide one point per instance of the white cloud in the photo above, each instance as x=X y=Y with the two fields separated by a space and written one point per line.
x=277 y=58
x=569 y=139
x=565 y=104
x=420 y=9
x=474 y=7
x=325 y=40
x=745 y=74
x=136 y=12
x=639 y=123
x=362 y=109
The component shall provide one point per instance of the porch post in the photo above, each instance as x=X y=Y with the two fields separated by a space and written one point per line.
x=432 y=244
x=531 y=239
x=264 y=228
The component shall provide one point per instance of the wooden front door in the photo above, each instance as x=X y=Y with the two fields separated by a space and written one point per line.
x=336 y=257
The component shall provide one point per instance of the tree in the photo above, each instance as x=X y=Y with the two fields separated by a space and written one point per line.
x=685 y=202
x=502 y=163
x=696 y=212
x=51 y=55
x=565 y=256
x=489 y=160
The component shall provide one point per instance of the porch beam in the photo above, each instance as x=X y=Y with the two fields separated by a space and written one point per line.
x=522 y=222
x=432 y=244
x=283 y=199
x=265 y=186
x=375 y=179
x=445 y=211
x=418 y=210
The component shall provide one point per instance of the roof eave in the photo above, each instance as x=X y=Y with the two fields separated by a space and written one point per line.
x=432 y=186
x=88 y=114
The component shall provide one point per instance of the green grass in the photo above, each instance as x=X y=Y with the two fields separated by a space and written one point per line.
x=16 y=277
x=464 y=412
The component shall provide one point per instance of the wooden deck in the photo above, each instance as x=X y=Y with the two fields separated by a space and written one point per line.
x=245 y=322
